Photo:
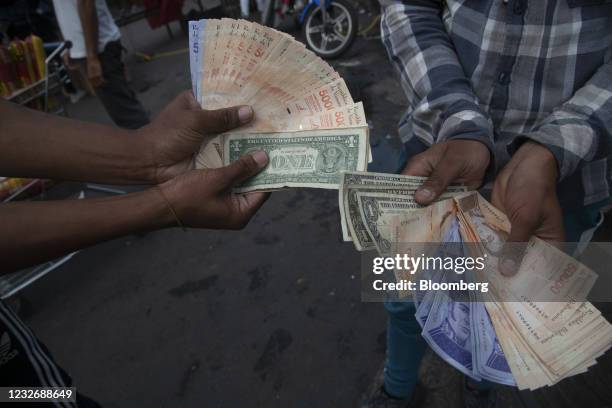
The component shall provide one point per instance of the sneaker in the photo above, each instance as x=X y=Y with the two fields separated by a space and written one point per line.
x=380 y=399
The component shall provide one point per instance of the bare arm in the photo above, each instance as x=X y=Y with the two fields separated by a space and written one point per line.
x=89 y=23
x=33 y=232
x=33 y=144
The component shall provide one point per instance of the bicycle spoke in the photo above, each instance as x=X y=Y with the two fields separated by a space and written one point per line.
x=315 y=29
x=339 y=35
x=339 y=19
x=324 y=42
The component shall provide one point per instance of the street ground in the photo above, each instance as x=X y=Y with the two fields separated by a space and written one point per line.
x=270 y=316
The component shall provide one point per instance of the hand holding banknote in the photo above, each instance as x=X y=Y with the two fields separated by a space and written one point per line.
x=305 y=118
x=531 y=330
x=525 y=190
x=177 y=133
x=204 y=198
x=452 y=161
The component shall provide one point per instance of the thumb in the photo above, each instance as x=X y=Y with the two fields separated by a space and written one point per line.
x=244 y=206
x=439 y=179
x=523 y=227
x=222 y=120
x=245 y=167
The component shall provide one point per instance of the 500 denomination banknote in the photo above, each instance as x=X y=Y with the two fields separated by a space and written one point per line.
x=305 y=159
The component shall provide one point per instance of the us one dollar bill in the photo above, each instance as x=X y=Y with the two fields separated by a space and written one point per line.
x=353 y=227
x=372 y=208
x=301 y=159
x=351 y=181
x=376 y=212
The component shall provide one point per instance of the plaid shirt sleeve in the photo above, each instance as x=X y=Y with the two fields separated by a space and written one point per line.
x=580 y=130
x=443 y=104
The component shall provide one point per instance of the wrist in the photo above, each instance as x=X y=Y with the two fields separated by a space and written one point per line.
x=145 y=163
x=544 y=156
x=478 y=151
x=130 y=157
x=174 y=220
x=157 y=211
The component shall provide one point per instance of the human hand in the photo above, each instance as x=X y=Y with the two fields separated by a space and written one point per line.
x=525 y=190
x=204 y=198
x=94 y=71
x=451 y=161
x=170 y=141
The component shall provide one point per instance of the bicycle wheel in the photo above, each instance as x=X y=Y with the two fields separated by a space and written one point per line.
x=331 y=39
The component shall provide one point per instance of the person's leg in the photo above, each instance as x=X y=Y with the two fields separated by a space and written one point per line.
x=26 y=362
x=261 y=5
x=581 y=224
x=405 y=349
x=244 y=8
x=405 y=345
x=118 y=98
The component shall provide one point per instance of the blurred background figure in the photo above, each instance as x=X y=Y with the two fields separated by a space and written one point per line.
x=97 y=50
x=245 y=7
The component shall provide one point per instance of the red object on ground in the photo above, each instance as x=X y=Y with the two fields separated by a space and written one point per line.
x=166 y=11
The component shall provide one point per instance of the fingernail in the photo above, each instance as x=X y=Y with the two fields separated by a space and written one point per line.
x=425 y=194
x=245 y=114
x=508 y=267
x=260 y=157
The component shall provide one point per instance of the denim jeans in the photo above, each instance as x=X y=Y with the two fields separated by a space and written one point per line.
x=405 y=349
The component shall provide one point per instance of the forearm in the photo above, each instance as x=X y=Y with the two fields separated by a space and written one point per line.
x=34 y=232
x=34 y=144
x=89 y=23
x=444 y=105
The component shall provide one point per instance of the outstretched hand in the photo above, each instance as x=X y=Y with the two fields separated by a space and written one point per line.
x=204 y=198
x=177 y=133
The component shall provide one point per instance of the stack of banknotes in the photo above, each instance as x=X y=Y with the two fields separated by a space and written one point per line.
x=530 y=330
x=305 y=117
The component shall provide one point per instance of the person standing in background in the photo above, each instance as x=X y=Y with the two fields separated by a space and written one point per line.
x=96 y=47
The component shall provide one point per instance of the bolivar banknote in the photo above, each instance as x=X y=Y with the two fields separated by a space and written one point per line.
x=305 y=159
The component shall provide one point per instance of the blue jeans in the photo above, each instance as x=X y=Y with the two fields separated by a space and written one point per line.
x=405 y=345
x=405 y=349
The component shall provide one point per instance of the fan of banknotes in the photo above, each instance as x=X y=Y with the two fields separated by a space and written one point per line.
x=305 y=117
x=530 y=330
